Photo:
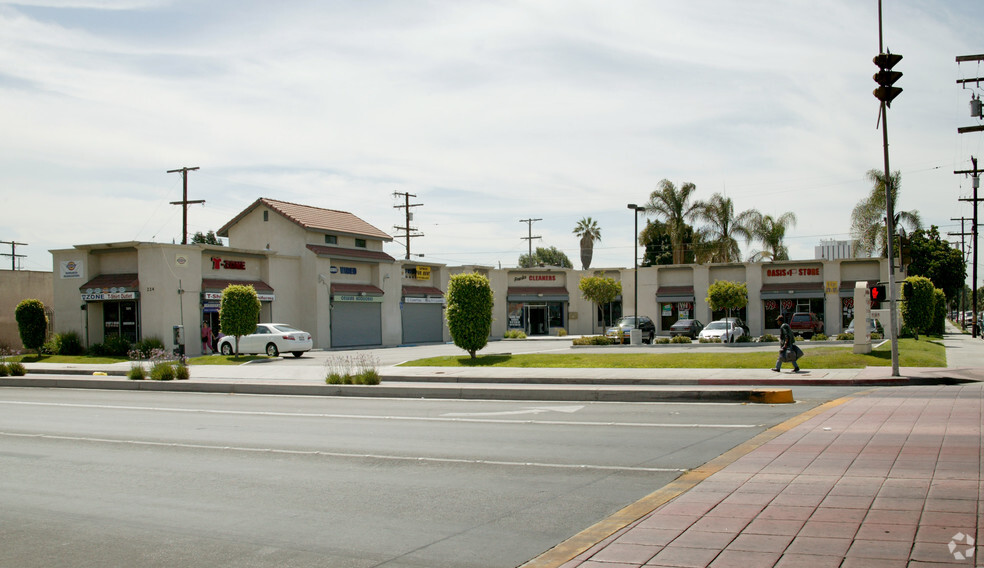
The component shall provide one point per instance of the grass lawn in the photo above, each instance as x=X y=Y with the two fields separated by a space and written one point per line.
x=912 y=353
x=92 y=360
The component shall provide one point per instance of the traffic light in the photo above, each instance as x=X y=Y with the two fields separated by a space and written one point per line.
x=879 y=293
x=885 y=77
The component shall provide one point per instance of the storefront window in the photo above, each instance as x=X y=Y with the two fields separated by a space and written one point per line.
x=120 y=318
x=786 y=308
x=607 y=314
x=556 y=311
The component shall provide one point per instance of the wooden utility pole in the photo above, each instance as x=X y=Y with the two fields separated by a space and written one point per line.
x=184 y=203
x=963 y=255
x=975 y=176
x=529 y=226
x=409 y=231
x=13 y=253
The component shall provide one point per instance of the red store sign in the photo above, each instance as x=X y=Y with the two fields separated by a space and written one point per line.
x=218 y=263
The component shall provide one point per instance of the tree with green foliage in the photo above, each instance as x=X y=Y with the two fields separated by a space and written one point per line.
x=469 y=311
x=724 y=226
x=675 y=208
x=601 y=290
x=936 y=259
x=919 y=309
x=939 y=314
x=658 y=246
x=868 y=217
x=727 y=295
x=239 y=311
x=32 y=323
x=208 y=238
x=771 y=232
x=545 y=257
x=588 y=231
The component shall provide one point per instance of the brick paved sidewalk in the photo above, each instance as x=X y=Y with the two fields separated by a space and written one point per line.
x=890 y=478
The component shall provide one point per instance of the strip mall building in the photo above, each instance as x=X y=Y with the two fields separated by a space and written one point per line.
x=324 y=271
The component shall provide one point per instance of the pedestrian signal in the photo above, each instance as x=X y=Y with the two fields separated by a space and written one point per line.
x=879 y=293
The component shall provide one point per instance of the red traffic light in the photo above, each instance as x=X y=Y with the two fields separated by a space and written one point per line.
x=879 y=293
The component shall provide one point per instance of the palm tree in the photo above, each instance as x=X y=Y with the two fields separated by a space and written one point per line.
x=868 y=217
x=719 y=212
x=771 y=231
x=674 y=206
x=589 y=232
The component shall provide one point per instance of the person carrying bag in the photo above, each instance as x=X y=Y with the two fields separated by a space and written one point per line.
x=788 y=351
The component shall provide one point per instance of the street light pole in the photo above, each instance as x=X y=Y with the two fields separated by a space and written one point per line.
x=635 y=261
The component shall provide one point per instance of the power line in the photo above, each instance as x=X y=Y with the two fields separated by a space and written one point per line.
x=409 y=231
x=13 y=253
x=184 y=203
x=529 y=239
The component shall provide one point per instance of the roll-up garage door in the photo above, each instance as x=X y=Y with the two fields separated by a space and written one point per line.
x=356 y=324
x=423 y=323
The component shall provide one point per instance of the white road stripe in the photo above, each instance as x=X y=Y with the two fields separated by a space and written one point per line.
x=381 y=417
x=419 y=459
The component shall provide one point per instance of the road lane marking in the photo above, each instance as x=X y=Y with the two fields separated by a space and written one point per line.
x=444 y=418
x=321 y=453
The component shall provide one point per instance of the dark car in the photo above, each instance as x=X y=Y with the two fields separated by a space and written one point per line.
x=689 y=327
x=620 y=331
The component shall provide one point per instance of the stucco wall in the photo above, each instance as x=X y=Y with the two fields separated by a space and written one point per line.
x=19 y=285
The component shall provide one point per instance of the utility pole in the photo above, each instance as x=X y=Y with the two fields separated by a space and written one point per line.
x=975 y=176
x=184 y=203
x=529 y=224
x=885 y=92
x=409 y=217
x=963 y=255
x=13 y=253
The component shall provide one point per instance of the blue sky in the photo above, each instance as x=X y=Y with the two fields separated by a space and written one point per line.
x=489 y=112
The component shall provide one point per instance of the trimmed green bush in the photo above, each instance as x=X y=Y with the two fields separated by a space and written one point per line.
x=561 y=332
x=4 y=369
x=239 y=311
x=32 y=323
x=662 y=340
x=136 y=372
x=768 y=338
x=162 y=371
x=709 y=340
x=116 y=346
x=681 y=339
x=514 y=334
x=744 y=339
x=819 y=337
x=146 y=347
x=592 y=340
x=469 y=311
x=845 y=336
x=17 y=369
x=181 y=372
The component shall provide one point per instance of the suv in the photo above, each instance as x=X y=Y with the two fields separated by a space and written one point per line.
x=620 y=331
x=805 y=324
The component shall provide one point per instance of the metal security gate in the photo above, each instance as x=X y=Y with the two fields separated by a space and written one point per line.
x=423 y=323
x=356 y=324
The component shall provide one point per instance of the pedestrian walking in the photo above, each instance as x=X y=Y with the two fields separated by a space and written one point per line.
x=206 y=338
x=788 y=351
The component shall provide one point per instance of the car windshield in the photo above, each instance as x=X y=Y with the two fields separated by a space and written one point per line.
x=626 y=322
x=683 y=323
x=285 y=328
x=716 y=325
x=801 y=317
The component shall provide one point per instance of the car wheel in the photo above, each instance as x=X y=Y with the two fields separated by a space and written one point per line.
x=226 y=349
x=272 y=350
x=297 y=353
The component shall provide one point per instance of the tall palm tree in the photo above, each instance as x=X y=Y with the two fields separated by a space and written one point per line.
x=771 y=231
x=868 y=217
x=719 y=213
x=589 y=232
x=675 y=208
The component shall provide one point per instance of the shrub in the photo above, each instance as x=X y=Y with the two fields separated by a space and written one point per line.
x=819 y=337
x=662 y=340
x=52 y=346
x=355 y=370
x=70 y=343
x=876 y=335
x=709 y=340
x=469 y=311
x=182 y=372
x=561 y=332
x=116 y=346
x=743 y=338
x=845 y=336
x=592 y=340
x=768 y=338
x=239 y=311
x=97 y=350
x=17 y=369
x=514 y=334
x=4 y=369
x=136 y=372
x=144 y=349
x=32 y=323
x=681 y=339
x=162 y=371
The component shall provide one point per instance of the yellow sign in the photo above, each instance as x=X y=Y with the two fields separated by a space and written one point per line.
x=833 y=286
x=423 y=273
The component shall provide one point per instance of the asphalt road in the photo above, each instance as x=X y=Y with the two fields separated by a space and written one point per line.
x=110 y=478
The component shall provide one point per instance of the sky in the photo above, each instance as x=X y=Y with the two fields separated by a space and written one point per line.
x=487 y=112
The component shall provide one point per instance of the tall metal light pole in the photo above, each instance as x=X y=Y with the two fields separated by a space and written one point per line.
x=635 y=260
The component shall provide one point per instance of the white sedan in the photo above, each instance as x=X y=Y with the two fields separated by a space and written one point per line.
x=725 y=330
x=270 y=338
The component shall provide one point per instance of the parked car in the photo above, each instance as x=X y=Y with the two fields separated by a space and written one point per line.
x=740 y=323
x=271 y=339
x=806 y=324
x=723 y=329
x=874 y=327
x=689 y=327
x=622 y=328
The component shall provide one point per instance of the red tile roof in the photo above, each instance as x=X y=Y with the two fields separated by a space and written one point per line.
x=313 y=218
x=103 y=281
x=339 y=252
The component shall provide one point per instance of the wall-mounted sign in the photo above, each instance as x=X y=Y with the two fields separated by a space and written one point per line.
x=218 y=296
x=71 y=269
x=218 y=263
x=536 y=277
x=343 y=270
x=792 y=274
x=832 y=286
x=423 y=273
x=338 y=298
x=100 y=296
x=183 y=260
x=423 y=300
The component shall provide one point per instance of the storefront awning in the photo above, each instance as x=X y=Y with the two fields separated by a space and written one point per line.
x=847 y=287
x=212 y=288
x=671 y=294
x=422 y=291
x=537 y=294
x=354 y=254
x=343 y=289
x=793 y=290
x=111 y=287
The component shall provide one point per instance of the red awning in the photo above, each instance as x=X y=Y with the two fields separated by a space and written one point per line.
x=129 y=282
x=219 y=284
x=367 y=289
x=422 y=291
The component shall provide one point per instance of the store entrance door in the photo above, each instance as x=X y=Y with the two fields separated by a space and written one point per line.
x=536 y=320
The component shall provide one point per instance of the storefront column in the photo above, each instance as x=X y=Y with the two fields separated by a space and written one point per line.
x=832 y=306
x=756 y=308
x=702 y=281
